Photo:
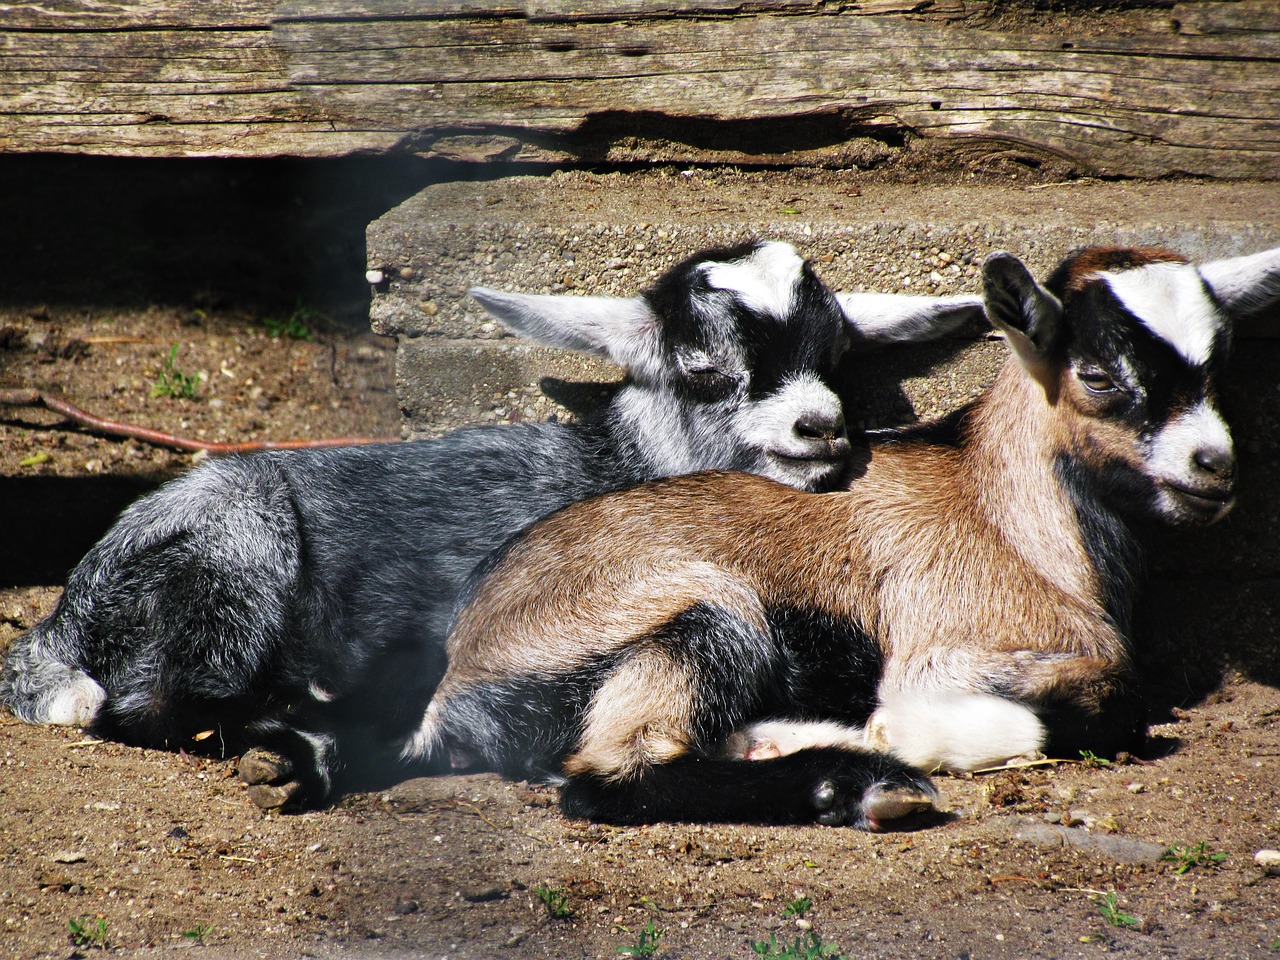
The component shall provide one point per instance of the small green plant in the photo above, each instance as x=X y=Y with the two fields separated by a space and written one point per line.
x=1187 y=857
x=797 y=907
x=1090 y=759
x=806 y=947
x=296 y=326
x=197 y=933
x=646 y=944
x=555 y=900
x=1111 y=912
x=89 y=932
x=172 y=382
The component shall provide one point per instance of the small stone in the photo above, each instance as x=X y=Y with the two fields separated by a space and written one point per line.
x=1108 y=823
x=485 y=893
x=1269 y=861
x=69 y=856
x=407 y=273
x=516 y=936
x=374 y=276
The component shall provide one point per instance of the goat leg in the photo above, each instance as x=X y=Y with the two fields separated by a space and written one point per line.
x=829 y=786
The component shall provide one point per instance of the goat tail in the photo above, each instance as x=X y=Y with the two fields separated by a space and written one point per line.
x=425 y=746
x=40 y=686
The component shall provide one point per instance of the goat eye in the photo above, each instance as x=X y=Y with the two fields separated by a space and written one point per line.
x=710 y=376
x=709 y=381
x=1095 y=381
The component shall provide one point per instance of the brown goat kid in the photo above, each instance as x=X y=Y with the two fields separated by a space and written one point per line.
x=720 y=647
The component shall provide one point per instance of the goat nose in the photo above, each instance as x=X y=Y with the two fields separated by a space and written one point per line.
x=822 y=426
x=1217 y=461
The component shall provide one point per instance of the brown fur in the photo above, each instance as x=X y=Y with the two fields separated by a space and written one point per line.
x=964 y=565
x=1084 y=266
x=639 y=716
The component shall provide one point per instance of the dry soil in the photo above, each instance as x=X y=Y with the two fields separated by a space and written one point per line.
x=109 y=848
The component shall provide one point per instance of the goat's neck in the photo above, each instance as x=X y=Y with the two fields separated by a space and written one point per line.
x=657 y=435
x=1017 y=452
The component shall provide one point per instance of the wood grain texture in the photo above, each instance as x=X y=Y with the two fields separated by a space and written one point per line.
x=1192 y=88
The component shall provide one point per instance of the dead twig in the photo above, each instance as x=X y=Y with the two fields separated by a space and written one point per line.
x=1023 y=765
x=113 y=428
x=473 y=809
x=1013 y=879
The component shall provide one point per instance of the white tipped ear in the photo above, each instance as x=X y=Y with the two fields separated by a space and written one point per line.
x=624 y=329
x=878 y=318
x=1027 y=313
x=1245 y=285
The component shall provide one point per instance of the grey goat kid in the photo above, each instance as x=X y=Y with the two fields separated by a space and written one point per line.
x=297 y=602
x=719 y=647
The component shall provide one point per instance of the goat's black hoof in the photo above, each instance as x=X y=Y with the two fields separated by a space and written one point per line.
x=824 y=796
x=276 y=796
x=835 y=801
x=887 y=802
x=848 y=801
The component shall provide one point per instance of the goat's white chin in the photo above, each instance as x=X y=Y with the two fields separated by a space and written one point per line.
x=1186 y=506
x=805 y=473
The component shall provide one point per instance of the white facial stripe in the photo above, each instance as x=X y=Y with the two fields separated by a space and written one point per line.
x=1129 y=376
x=1171 y=301
x=770 y=424
x=1173 y=449
x=765 y=280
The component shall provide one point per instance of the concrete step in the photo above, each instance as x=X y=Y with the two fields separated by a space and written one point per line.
x=613 y=234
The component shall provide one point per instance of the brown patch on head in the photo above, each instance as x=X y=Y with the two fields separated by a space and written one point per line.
x=1084 y=426
x=1084 y=265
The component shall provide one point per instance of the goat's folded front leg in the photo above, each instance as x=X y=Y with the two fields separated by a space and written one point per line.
x=307 y=758
x=967 y=712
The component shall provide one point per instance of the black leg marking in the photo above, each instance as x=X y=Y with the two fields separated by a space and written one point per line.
x=829 y=786
x=1118 y=725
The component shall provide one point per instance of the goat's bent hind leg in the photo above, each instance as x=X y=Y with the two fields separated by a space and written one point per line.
x=829 y=786
x=656 y=723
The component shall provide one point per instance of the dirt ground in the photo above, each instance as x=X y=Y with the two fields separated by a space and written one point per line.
x=106 y=847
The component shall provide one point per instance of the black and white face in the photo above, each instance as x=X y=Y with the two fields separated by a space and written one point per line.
x=750 y=341
x=1146 y=347
x=732 y=357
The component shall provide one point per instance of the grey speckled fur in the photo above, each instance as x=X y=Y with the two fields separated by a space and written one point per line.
x=299 y=601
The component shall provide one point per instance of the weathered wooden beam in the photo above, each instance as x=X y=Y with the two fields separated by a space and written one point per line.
x=1188 y=87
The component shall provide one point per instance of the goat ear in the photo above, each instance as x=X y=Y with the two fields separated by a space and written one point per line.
x=1245 y=285
x=621 y=328
x=1027 y=313
x=877 y=318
